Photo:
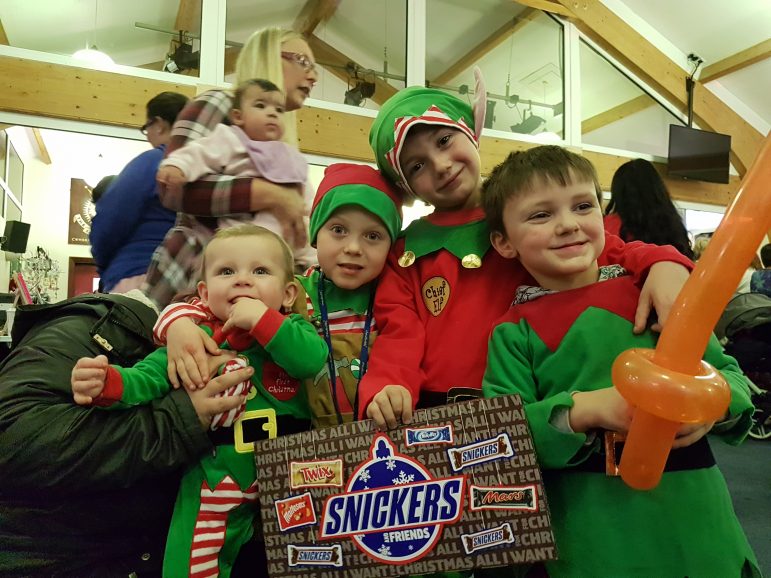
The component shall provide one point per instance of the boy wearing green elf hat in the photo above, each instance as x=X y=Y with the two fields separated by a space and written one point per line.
x=443 y=285
x=355 y=217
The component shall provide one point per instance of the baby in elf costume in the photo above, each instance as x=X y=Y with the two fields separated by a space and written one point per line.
x=555 y=348
x=356 y=215
x=444 y=285
x=247 y=281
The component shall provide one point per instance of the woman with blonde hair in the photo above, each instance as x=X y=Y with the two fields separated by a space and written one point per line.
x=283 y=57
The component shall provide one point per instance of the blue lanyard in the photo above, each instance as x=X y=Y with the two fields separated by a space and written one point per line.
x=363 y=355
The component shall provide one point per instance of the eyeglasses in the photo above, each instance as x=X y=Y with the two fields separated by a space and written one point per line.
x=148 y=124
x=300 y=59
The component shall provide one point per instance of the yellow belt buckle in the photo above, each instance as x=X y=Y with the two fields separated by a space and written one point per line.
x=270 y=426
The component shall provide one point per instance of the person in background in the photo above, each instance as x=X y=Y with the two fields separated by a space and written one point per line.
x=284 y=58
x=85 y=492
x=555 y=348
x=101 y=187
x=761 y=279
x=700 y=245
x=640 y=208
x=130 y=221
x=251 y=147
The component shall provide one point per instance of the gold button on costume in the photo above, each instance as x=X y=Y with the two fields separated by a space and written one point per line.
x=407 y=259
x=471 y=261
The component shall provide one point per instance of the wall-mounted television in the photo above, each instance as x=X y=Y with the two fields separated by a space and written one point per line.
x=698 y=154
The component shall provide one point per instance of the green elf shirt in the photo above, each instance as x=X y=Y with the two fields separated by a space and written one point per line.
x=551 y=344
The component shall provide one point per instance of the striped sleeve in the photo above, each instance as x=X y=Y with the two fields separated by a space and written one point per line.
x=194 y=310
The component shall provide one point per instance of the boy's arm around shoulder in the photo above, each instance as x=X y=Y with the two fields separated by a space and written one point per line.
x=396 y=357
x=738 y=422
x=638 y=257
x=292 y=343
x=510 y=370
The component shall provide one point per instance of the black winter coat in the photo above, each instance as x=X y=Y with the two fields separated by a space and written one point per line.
x=84 y=491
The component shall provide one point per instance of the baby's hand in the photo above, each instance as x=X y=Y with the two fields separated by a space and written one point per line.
x=245 y=314
x=390 y=404
x=88 y=377
x=171 y=177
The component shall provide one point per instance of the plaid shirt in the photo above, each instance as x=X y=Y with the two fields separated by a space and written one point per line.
x=175 y=265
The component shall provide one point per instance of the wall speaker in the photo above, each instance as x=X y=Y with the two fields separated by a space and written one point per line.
x=15 y=237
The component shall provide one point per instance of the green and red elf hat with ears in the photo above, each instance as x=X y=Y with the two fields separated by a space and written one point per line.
x=359 y=185
x=418 y=105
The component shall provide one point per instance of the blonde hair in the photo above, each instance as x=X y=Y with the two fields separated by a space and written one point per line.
x=248 y=230
x=261 y=58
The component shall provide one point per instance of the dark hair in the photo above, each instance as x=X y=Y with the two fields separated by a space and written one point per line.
x=265 y=85
x=641 y=200
x=765 y=255
x=521 y=169
x=101 y=187
x=166 y=105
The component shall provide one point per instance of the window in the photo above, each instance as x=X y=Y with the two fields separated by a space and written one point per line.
x=617 y=113
x=360 y=47
x=519 y=50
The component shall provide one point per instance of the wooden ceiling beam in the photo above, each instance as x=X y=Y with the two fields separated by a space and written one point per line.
x=616 y=113
x=313 y=13
x=608 y=30
x=553 y=7
x=3 y=35
x=736 y=62
x=336 y=62
x=188 y=16
x=41 y=146
x=487 y=45
x=115 y=99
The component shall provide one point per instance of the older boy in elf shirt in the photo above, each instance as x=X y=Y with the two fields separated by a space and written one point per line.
x=356 y=215
x=555 y=348
x=443 y=285
x=247 y=281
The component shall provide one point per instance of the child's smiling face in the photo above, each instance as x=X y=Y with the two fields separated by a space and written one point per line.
x=442 y=167
x=352 y=247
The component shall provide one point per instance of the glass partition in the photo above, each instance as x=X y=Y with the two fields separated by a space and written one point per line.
x=616 y=112
x=151 y=34
x=360 y=47
x=519 y=50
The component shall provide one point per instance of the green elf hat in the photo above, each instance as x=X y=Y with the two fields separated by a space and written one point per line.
x=418 y=105
x=360 y=185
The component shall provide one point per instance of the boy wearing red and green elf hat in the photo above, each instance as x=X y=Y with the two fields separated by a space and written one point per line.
x=443 y=286
x=356 y=216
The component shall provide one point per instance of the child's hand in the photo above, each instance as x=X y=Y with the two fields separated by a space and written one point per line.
x=393 y=402
x=603 y=408
x=661 y=288
x=88 y=377
x=690 y=433
x=245 y=314
x=171 y=176
x=188 y=349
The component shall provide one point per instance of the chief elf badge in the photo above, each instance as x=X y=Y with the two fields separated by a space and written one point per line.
x=436 y=294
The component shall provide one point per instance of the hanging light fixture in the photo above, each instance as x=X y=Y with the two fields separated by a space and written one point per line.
x=91 y=53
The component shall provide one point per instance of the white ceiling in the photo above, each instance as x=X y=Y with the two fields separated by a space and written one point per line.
x=712 y=29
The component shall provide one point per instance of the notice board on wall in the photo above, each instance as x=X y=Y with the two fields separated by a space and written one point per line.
x=457 y=489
